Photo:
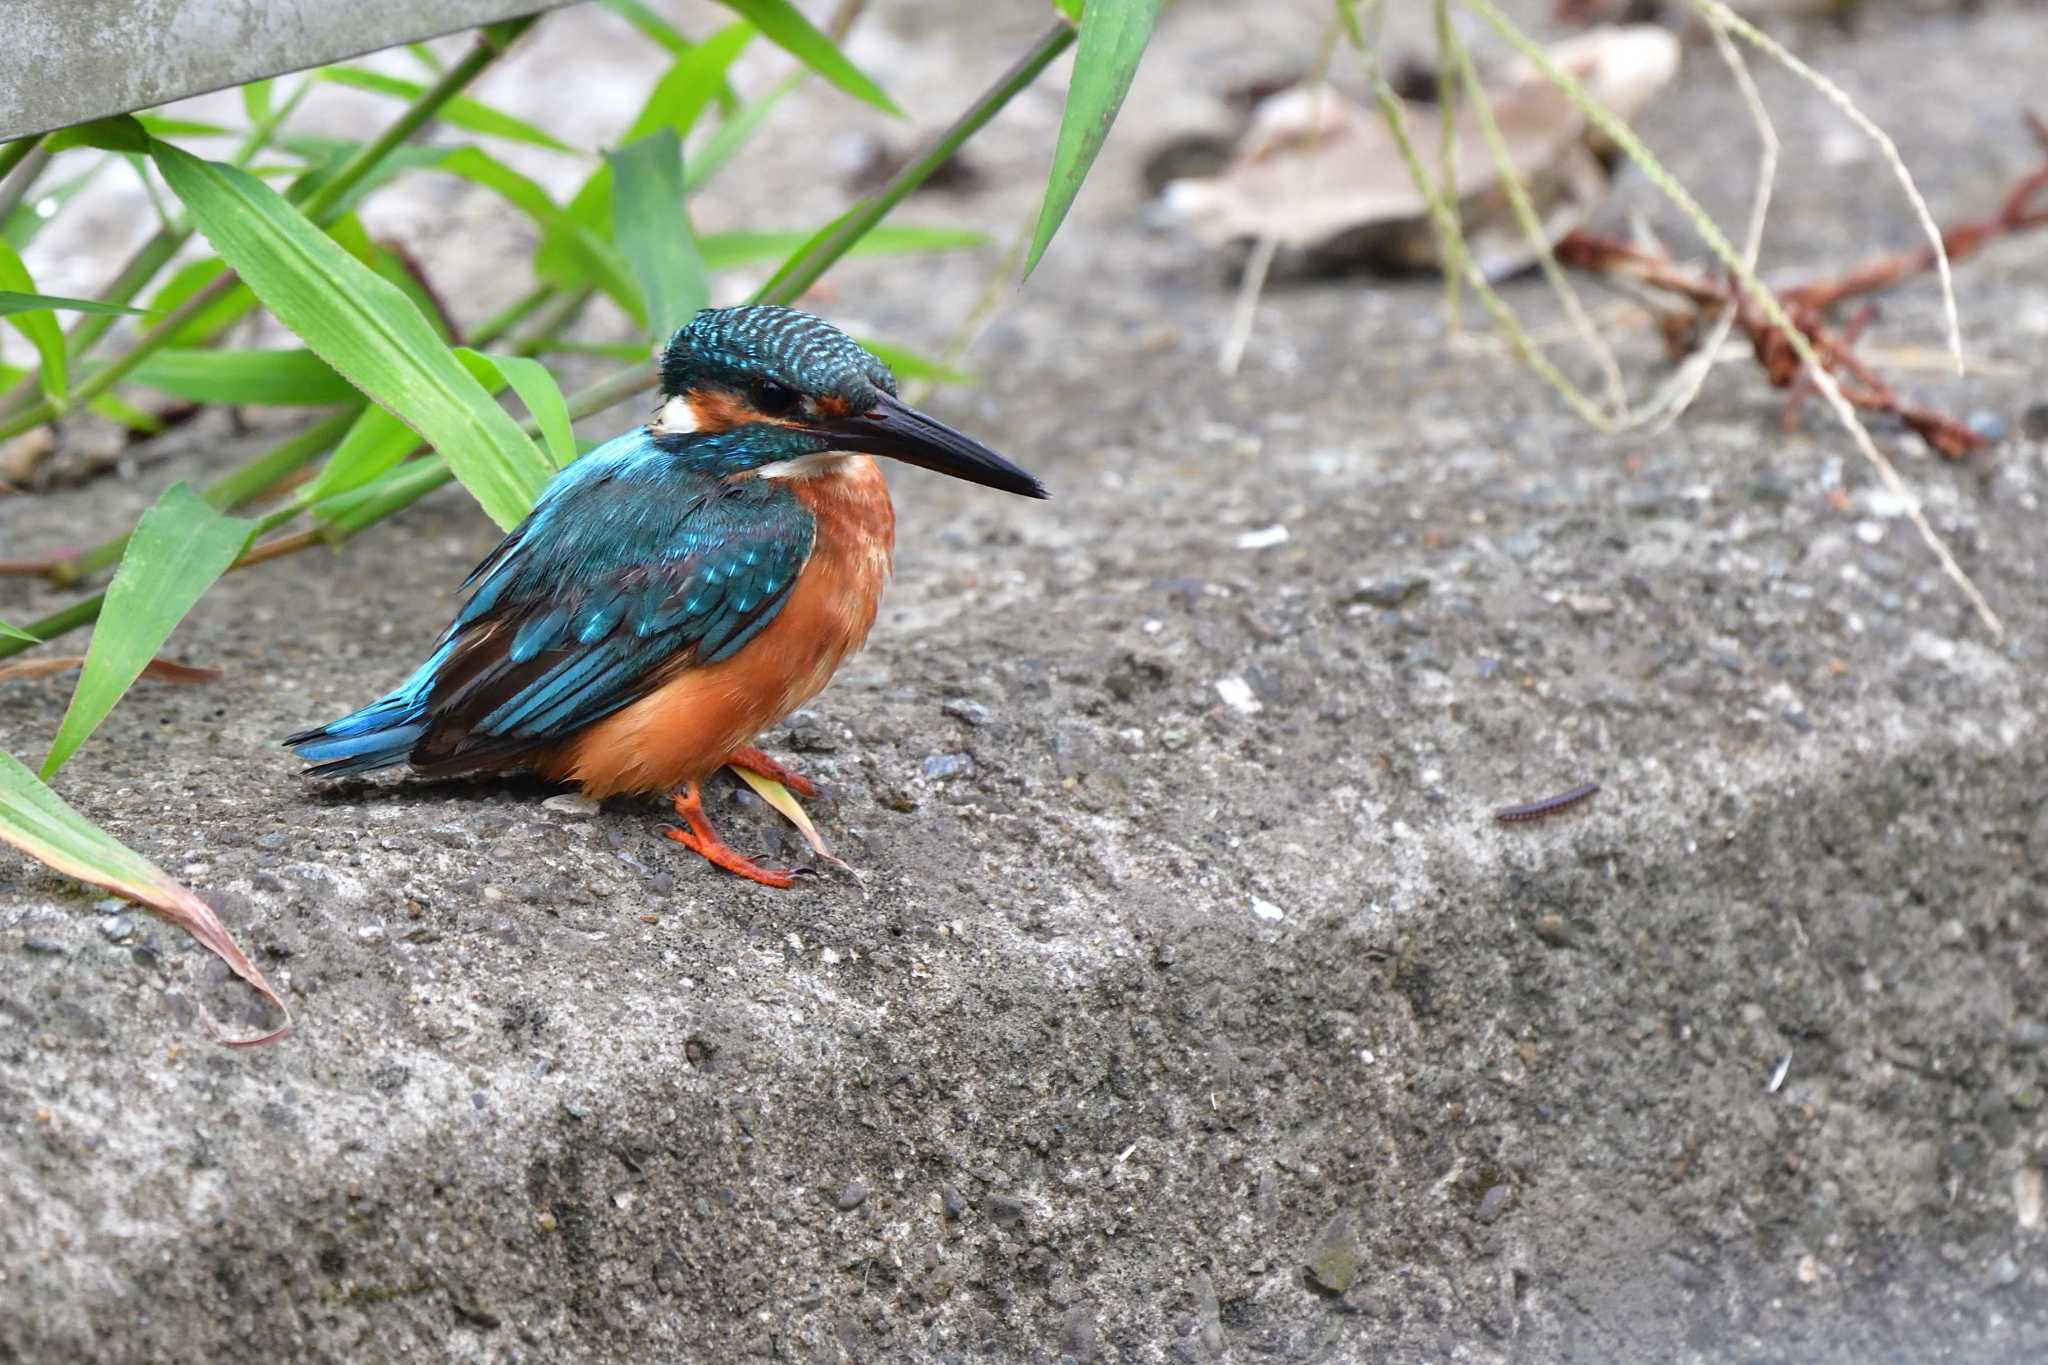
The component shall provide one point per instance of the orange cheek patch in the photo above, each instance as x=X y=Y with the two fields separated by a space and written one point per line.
x=716 y=410
x=831 y=406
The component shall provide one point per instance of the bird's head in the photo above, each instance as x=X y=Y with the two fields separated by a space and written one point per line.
x=777 y=393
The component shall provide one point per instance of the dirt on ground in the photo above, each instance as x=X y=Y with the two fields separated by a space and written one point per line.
x=1191 y=1005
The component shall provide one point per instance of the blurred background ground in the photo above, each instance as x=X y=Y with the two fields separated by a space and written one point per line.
x=1193 y=1007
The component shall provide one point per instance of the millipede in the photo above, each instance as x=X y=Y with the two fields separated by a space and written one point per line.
x=1549 y=805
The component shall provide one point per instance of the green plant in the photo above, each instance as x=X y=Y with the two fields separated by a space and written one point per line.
x=407 y=409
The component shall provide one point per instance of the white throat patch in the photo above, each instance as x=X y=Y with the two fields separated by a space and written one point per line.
x=676 y=418
x=807 y=466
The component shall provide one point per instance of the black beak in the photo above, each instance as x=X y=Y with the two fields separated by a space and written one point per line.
x=903 y=433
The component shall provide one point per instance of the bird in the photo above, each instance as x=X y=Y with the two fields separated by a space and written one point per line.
x=682 y=587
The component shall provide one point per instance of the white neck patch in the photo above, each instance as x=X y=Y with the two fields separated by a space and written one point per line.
x=676 y=418
x=816 y=466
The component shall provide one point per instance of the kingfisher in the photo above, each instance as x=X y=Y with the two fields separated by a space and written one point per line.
x=682 y=587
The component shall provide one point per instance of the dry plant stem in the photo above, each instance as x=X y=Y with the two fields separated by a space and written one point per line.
x=1247 y=307
x=1720 y=16
x=1447 y=157
x=1692 y=374
x=1532 y=230
x=19 y=174
x=1759 y=296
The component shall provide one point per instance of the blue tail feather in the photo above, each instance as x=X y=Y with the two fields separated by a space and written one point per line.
x=381 y=735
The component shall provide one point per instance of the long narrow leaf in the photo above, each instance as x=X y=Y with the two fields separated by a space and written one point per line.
x=579 y=255
x=537 y=389
x=733 y=134
x=37 y=821
x=653 y=229
x=362 y=326
x=39 y=325
x=1113 y=38
x=651 y=24
x=285 y=379
x=17 y=633
x=374 y=443
x=783 y=25
x=461 y=111
x=179 y=548
x=677 y=100
x=11 y=302
x=731 y=250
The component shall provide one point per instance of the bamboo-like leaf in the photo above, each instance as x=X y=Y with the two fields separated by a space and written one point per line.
x=38 y=325
x=36 y=210
x=782 y=24
x=362 y=326
x=732 y=250
x=651 y=24
x=284 y=379
x=734 y=133
x=537 y=389
x=256 y=101
x=373 y=444
x=580 y=255
x=690 y=84
x=211 y=320
x=11 y=302
x=38 y=822
x=156 y=125
x=677 y=100
x=907 y=364
x=461 y=111
x=121 y=133
x=1113 y=38
x=178 y=549
x=785 y=802
x=17 y=633
x=653 y=229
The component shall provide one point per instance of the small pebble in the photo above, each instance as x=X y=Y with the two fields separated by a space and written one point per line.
x=44 y=947
x=1989 y=425
x=1336 y=1258
x=1389 y=592
x=371 y=934
x=575 y=805
x=1494 y=1203
x=2005 y=1271
x=939 y=767
x=1263 y=538
x=852 y=1197
x=966 y=711
x=117 y=928
x=1267 y=911
x=1237 y=695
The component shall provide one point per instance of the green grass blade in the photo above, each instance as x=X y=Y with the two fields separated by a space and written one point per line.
x=574 y=254
x=537 y=389
x=906 y=364
x=38 y=325
x=121 y=133
x=363 y=326
x=732 y=250
x=156 y=125
x=11 y=302
x=279 y=379
x=735 y=133
x=38 y=209
x=653 y=229
x=17 y=633
x=651 y=25
x=179 y=548
x=374 y=443
x=461 y=111
x=1113 y=38
x=38 y=822
x=690 y=84
x=783 y=25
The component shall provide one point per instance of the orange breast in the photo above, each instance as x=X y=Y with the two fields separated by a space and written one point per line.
x=683 y=731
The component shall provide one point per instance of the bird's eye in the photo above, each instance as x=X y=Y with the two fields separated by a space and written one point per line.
x=774 y=400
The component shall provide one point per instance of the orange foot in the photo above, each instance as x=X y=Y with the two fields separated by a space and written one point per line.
x=702 y=839
x=754 y=761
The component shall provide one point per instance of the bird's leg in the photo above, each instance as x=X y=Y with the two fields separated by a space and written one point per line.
x=700 y=838
x=754 y=761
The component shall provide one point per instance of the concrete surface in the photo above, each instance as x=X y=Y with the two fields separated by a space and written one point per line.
x=1194 y=1008
x=65 y=62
